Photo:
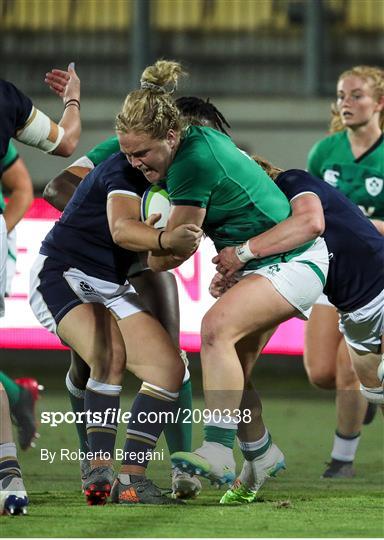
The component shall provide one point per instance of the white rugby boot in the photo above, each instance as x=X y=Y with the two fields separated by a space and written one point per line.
x=212 y=460
x=13 y=497
x=184 y=486
x=253 y=475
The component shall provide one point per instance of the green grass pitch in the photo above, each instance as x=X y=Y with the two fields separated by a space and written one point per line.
x=296 y=504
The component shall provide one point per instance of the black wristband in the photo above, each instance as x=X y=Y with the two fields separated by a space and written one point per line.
x=159 y=240
x=72 y=101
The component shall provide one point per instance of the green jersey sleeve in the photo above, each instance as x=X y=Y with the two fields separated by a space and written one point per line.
x=10 y=157
x=103 y=150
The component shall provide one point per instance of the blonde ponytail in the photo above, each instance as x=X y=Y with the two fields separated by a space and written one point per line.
x=151 y=109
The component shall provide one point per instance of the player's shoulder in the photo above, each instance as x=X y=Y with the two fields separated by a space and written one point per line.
x=117 y=173
x=325 y=144
x=11 y=95
x=115 y=163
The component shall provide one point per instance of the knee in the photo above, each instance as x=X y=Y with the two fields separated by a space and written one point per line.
x=212 y=331
x=322 y=378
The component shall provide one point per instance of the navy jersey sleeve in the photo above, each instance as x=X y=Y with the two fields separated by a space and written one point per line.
x=17 y=105
x=15 y=109
x=295 y=181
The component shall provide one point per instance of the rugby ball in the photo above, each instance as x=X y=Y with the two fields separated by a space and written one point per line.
x=155 y=200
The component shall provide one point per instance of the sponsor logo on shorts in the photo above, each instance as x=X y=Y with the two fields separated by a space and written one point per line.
x=87 y=288
x=273 y=269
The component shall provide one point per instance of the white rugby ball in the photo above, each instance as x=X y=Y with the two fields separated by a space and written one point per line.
x=155 y=200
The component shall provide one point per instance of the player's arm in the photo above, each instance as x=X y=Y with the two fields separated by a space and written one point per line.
x=66 y=84
x=159 y=261
x=379 y=224
x=305 y=224
x=17 y=181
x=60 y=189
x=41 y=132
x=128 y=232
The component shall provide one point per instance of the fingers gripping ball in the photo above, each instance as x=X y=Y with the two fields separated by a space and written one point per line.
x=155 y=200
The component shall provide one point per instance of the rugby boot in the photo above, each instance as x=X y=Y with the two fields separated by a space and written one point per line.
x=212 y=460
x=184 y=486
x=339 y=469
x=253 y=475
x=139 y=490
x=85 y=469
x=13 y=497
x=97 y=485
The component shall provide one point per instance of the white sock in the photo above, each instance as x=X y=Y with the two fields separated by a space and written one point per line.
x=8 y=450
x=125 y=478
x=77 y=392
x=216 y=447
x=344 y=449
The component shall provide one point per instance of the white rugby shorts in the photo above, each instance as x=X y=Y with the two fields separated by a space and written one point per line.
x=301 y=280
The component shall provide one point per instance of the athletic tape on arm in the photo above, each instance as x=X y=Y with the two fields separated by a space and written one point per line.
x=41 y=132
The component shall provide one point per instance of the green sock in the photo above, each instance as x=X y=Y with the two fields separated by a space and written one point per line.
x=12 y=389
x=253 y=450
x=220 y=435
x=179 y=436
x=76 y=397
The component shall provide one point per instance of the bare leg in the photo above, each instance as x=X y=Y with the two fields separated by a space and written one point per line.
x=328 y=365
x=258 y=307
x=351 y=406
x=366 y=365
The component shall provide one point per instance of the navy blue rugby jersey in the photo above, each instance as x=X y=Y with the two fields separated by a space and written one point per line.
x=356 y=248
x=15 y=109
x=81 y=238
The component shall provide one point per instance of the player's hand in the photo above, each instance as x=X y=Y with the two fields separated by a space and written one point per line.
x=65 y=84
x=219 y=285
x=152 y=219
x=183 y=241
x=227 y=262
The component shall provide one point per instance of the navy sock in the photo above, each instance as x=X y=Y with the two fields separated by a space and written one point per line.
x=103 y=401
x=147 y=422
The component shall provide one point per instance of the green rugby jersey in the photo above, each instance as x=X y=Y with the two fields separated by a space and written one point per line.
x=103 y=150
x=361 y=179
x=240 y=199
x=9 y=159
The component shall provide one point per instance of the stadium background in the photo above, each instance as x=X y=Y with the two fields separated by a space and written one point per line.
x=269 y=65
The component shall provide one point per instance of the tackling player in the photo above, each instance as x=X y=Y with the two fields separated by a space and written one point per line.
x=355 y=285
x=158 y=290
